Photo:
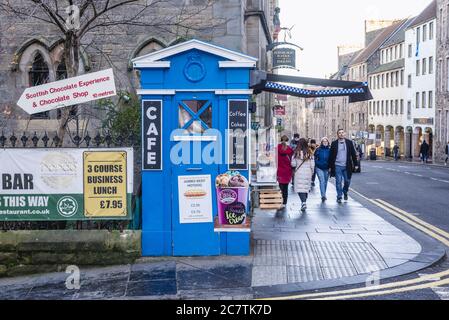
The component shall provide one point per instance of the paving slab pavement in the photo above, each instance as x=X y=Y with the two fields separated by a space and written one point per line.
x=329 y=245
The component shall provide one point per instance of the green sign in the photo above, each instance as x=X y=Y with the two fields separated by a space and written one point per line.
x=65 y=184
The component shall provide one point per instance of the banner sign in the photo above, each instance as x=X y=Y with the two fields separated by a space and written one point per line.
x=66 y=184
x=68 y=92
x=238 y=139
x=152 y=135
x=195 y=199
x=284 y=57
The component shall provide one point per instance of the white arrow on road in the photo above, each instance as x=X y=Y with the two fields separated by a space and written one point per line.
x=68 y=92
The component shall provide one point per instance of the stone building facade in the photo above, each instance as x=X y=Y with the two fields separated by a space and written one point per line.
x=386 y=111
x=327 y=115
x=297 y=117
x=31 y=50
x=363 y=64
x=420 y=65
x=442 y=81
x=318 y=124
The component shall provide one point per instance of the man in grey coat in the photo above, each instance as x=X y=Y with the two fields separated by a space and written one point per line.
x=342 y=161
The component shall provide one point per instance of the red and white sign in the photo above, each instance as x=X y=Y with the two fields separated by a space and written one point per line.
x=279 y=110
x=68 y=92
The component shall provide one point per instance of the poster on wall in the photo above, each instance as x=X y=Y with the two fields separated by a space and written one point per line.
x=105 y=193
x=152 y=135
x=238 y=134
x=65 y=184
x=195 y=199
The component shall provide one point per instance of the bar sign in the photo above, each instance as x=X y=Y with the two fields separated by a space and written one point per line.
x=152 y=135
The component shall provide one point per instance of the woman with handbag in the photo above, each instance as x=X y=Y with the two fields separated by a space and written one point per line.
x=303 y=165
x=284 y=172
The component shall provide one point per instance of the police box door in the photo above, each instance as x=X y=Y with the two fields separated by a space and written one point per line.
x=195 y=157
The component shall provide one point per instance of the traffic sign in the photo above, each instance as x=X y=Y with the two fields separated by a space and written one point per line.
x=68 y=92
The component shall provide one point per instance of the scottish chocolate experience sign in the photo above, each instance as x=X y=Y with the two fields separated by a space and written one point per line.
x=68 y=92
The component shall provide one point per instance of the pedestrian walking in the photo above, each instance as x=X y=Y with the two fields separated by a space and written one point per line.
x=342 y=161
x=447 y=153
x=303 y=165
x=396 y=152
x=424 y=151
x=284 y=170
x=294 y=144
x=313 y=148
x=295 y=141
x=360 y=151
x=322 y=155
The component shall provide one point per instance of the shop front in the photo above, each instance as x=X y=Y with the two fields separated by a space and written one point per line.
x=195 y=150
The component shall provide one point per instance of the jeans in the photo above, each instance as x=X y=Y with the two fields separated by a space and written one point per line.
x=323 y=177
x=396 y=156
x=424 y=158
x=303 y=197
x=284 y=189
x=341 y=176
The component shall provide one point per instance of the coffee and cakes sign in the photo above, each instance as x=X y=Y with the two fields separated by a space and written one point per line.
x=66 y=184
x=238 y=142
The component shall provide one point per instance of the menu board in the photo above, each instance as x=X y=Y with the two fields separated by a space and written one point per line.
x=195 y=199
x=105 y=192
x=238 y=134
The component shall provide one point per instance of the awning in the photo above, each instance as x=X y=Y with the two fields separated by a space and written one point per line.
x=356 y=91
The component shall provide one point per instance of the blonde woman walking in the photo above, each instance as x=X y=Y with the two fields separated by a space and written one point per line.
x=303 y=167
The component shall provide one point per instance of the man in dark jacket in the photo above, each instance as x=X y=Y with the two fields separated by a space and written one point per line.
x=342 y=161
x=447 y=153
x=424 y=151
x=295 y=141
x=396 y=152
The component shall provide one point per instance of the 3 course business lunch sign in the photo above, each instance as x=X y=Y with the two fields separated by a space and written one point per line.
x=66 y=184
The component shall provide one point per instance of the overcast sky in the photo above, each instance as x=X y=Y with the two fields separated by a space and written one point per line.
x=322 y=25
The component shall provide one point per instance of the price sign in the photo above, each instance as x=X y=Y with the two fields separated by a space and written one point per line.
x=105 y=184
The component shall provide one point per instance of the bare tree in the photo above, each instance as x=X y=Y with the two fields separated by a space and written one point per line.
x=76 y=18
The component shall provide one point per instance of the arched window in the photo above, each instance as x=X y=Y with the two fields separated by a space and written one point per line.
x=38 y=75
x=61 y=71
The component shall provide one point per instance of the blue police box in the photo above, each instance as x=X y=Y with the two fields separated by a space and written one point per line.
x=192 y=93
